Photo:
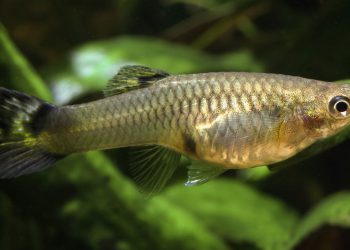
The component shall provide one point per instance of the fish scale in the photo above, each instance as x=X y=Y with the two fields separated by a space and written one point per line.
x=153 y=111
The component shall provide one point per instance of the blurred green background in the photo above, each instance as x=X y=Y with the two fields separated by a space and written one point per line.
x=65 y=51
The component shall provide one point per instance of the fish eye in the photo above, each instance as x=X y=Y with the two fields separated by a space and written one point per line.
x=339 y=106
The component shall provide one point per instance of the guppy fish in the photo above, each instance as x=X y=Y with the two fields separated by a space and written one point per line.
x=233 y=120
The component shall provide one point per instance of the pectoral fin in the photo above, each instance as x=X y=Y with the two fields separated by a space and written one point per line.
x=201 y=172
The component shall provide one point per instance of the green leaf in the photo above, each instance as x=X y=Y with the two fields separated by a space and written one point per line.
x=334 y=210
x=24 y=77
x=92 y=65
x=122 y=215
x=11 y=227
x=237 y=212
x=106 y=206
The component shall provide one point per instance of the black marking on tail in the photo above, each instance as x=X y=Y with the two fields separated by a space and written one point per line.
x=22 y=118
x=38 y=122
x=16 y=109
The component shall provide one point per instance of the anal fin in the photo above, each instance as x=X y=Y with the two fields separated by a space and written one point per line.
x=152 y=166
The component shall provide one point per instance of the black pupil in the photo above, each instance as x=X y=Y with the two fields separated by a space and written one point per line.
x=341 y=106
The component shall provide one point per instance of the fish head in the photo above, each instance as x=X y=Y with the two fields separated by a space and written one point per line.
x=328 y=112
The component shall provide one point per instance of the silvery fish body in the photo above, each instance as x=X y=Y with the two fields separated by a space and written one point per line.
x=238 y=120
x=235 y=120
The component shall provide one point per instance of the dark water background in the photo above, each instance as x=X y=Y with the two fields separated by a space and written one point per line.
x=74 y=47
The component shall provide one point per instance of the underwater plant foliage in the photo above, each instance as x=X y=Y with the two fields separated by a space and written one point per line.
x=88 y=201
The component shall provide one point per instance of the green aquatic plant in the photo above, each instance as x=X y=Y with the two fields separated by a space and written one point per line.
x=86 y=202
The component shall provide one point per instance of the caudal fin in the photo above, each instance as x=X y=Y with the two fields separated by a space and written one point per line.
x=22 y=118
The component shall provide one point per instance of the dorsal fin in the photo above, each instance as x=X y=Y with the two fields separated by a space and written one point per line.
x=152 y=166
x=133 y=77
